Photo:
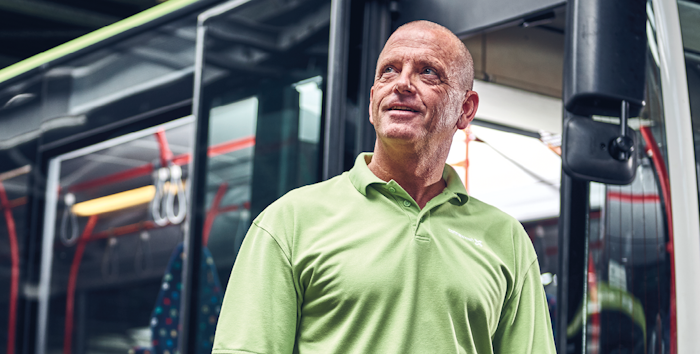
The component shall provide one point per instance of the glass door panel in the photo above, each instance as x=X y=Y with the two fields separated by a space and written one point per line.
x=261 y=94
x=628 y=276
x=113 y=244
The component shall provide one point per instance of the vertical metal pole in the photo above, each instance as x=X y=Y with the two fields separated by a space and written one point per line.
x=51 y=199
x=334 y=139
x=187 y=340
x=375 y=32
x=573 y=233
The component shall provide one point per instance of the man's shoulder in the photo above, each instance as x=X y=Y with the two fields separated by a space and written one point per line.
x=305 y=199
x=317 y=192
x=488 y=212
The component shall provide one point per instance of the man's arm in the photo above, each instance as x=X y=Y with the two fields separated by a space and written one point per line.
x=259 y=311
x=525 y=327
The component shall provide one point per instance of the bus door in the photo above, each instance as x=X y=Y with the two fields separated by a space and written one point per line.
x=259 y=91
x=610 y=287
x=634 y=256
x=113 y=243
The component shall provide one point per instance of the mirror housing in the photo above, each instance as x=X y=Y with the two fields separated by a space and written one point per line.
x=606 y=43
x=604 y=74
x=589 y=149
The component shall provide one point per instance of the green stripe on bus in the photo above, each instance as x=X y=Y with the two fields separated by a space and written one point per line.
x=92 y=38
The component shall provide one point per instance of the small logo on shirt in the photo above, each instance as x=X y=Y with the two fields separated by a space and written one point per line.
x=476 y=242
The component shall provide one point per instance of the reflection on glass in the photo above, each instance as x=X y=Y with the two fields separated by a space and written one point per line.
x=13 y=217
x=262 y=93
x=148 y=71
x=628 y=282
x=116 y=270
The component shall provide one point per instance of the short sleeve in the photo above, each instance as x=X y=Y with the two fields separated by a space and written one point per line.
x=259 y=311
x=525 y=326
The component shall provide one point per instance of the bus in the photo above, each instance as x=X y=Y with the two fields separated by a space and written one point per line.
x=124 y=152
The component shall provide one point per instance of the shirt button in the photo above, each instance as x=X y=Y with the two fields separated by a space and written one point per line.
x=406 y=203
x=392 y=189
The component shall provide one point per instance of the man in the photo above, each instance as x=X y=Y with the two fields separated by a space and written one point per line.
x=392 y=256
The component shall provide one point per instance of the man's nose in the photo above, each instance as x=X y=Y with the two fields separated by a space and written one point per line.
x=403 y=84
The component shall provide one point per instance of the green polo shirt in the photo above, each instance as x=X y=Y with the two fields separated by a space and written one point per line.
x=352 y=265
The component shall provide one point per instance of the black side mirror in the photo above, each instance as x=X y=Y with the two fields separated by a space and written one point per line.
x=604 y=74
x=592 y=147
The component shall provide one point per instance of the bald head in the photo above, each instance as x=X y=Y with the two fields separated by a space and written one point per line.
x=463 y=65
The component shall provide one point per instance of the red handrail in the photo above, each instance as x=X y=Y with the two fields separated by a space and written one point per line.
x=72 y=280
x=166 y=155
x=147 y=169
x=14 y=282
x=592 y=279
x=213 y=212
x=652 y=148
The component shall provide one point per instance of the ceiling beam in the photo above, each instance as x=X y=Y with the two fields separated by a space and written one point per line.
x=41 y=34
x=58 y=13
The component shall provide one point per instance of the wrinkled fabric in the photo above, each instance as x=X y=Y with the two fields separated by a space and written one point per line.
x=352 y=265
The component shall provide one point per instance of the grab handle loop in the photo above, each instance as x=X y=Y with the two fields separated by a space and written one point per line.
x=177 y=188
x=142 y=257
x=110 y=259
x=160 y=217
x=69 y=222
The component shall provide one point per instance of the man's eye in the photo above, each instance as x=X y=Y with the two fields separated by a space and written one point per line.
x=429 y=71
x=389 y=69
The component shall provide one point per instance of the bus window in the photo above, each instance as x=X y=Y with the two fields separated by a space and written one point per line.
x=149 y=71
x=262 y=94
x=13 y=223
x=628 y=273
x=112 y=256
x=21 y=114
x=690 y=29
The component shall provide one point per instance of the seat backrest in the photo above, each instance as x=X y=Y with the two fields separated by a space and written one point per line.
x=165 y=319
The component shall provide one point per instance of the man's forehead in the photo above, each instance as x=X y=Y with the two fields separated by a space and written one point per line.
x=417 y=35
x=410 y=41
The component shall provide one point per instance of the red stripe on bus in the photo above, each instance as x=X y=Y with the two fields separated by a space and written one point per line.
x=633 y=198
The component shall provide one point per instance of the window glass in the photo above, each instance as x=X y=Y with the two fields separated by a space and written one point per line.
x=148 y=71
x=690 y=29
x=13 y=235
x=21 y=113
x=262 y=94
x=628 y=272
x=113 y=243
x=20 y=116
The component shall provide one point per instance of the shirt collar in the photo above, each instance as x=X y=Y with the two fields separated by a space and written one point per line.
x=361 y=177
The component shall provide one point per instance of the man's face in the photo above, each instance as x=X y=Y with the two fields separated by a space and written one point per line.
x=416 y=97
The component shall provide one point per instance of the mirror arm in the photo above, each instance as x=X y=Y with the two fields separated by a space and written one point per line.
x=623 y=146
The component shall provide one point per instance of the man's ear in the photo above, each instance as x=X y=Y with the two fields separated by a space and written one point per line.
x=371 y=95
x=469 y=106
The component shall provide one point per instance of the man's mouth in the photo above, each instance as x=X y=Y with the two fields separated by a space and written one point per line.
x=402 y=108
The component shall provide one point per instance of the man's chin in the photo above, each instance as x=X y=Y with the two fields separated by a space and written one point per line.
x=402 y=136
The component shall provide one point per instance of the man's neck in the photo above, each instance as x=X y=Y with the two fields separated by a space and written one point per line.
x=418 y=172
